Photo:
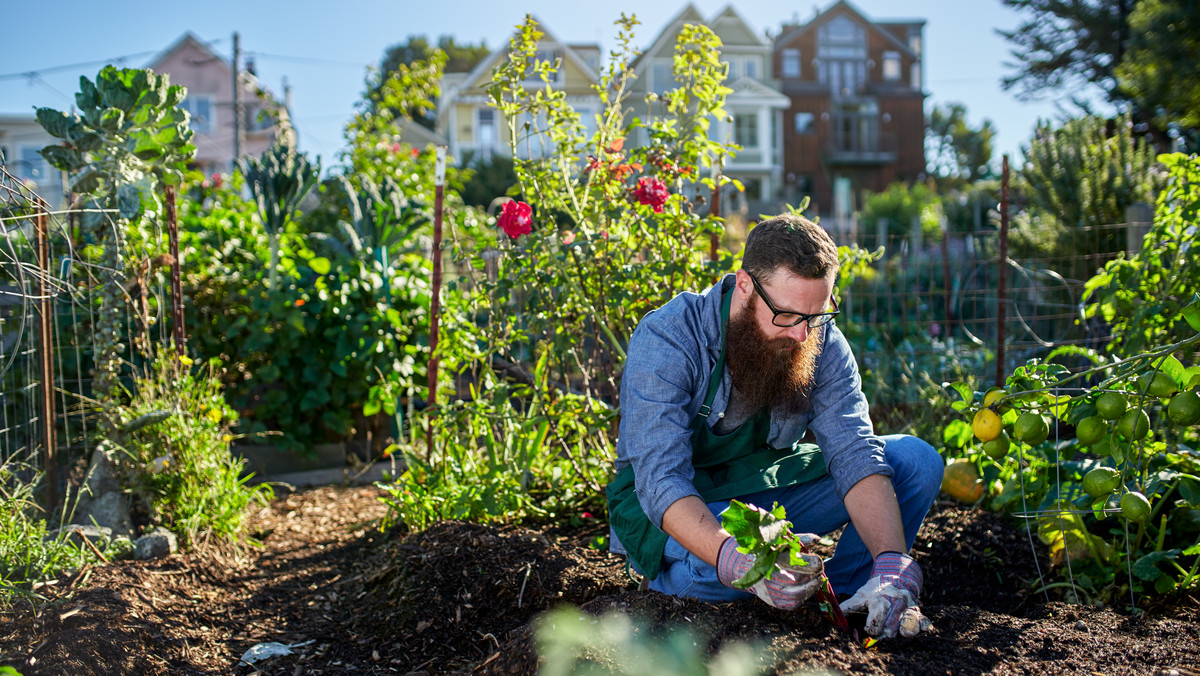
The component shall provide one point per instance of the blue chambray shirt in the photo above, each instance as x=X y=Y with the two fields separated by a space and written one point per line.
x=671 y=355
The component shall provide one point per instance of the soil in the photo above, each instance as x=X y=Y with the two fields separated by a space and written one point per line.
x=465 y=598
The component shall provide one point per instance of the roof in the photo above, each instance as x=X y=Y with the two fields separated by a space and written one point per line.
x=791 y=32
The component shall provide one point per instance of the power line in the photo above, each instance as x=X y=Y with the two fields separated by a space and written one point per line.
x=35 y=72
x=72 y=66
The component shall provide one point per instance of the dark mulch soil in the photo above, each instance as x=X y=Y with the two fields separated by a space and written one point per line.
x=463 y=598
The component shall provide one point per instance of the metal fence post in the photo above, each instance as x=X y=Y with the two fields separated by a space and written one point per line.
x=45 y=338
x=1138 y=217
x=1001 y=298
x=176 y=277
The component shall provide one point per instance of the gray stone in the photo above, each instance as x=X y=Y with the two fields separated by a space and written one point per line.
x=101 y=478
x=157 y=543
x=75 y=534
x=106 y=510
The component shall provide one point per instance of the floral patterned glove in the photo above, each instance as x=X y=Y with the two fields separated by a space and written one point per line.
x=890 y=597
x=784 y=589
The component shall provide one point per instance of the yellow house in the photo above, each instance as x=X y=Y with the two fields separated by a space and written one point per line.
x=475 y=130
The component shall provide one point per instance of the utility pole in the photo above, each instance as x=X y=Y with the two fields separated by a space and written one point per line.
x=237 y=106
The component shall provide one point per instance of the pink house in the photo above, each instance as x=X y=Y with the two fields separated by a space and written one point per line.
x=209 y=80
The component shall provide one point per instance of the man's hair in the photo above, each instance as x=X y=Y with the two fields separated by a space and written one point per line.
x=792 y=242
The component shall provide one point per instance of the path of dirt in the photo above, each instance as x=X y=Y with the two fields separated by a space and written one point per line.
x=462 y=598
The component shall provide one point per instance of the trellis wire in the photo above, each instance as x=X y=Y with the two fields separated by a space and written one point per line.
x=69 y=284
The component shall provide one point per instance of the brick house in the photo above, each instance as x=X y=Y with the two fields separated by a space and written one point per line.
x=856 y=117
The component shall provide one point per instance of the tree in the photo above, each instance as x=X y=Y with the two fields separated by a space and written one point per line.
x=957 y=154
x=1068 y=45
x=1161 y=69
x=1076 y=182
x=458 y=59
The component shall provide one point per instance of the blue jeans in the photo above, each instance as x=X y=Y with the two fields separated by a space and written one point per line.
x=814 y=507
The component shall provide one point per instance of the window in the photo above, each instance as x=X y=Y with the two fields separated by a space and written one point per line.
x=752 y=68
x=842 y=56
x=915 y=76
x=202 y=111
x=485 y=131
x=661 y=77
x=745 y=130
x=804 y=123
x=791 y=63
x=891 y=66
x=31 y=166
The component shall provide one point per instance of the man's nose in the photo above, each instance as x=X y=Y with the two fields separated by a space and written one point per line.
x=799 y=332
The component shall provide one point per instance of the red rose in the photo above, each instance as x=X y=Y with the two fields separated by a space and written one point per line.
x=516 y=218
x=651 y=192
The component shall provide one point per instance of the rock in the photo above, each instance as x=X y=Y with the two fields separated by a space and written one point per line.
x=107 y=510
x=75 y=534
x=101 y=478
x=156 y=544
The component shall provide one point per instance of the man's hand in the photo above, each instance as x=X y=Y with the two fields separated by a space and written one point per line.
x=784 y=588
x=890 y=597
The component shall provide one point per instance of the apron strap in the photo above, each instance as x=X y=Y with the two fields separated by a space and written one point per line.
x=718 y=372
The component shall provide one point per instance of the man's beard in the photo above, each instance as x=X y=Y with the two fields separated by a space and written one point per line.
x=776 y=373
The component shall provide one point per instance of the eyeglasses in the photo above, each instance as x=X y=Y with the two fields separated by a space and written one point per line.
x=785 y=318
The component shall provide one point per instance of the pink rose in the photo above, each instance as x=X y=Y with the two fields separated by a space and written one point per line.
x=651 y=192
x=568 y=238
x=516 y=218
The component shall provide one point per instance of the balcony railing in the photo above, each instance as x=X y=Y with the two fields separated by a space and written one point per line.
x=858 y=140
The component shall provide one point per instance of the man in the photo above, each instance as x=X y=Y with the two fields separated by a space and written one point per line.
x=717 y=393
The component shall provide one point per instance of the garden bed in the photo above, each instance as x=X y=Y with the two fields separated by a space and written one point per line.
x=460 y=598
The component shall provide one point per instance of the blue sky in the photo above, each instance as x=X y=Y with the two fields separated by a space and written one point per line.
x=323 y=49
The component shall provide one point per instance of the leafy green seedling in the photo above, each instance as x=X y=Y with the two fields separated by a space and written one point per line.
x=766 y=535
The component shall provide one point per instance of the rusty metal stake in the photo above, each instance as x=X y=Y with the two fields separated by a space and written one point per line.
x=176 y=278
x=439 y=179
x=1002 y=281
x=45 y=337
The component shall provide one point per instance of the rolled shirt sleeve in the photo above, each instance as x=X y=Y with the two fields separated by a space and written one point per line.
x=657 y=391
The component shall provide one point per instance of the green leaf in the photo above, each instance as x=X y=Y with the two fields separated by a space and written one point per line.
x=957 y=433
x=63 y=158
x=129 y=201
x=56 y=123
x=371 y=408
x=966 y=396
x=86 y=181
x=1189 y=488
x=320 y=265
x=112 y=119
x=1145 y=568
x=88 y=97
x=89 y=142
x=1191 y=313
x=167 y=135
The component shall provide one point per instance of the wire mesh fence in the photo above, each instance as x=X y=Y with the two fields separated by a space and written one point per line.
x=49 y=290
x=929 y=312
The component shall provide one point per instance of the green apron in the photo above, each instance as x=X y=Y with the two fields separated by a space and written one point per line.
x=727 y=466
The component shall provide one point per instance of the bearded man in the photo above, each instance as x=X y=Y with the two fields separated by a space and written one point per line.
x=719 y=392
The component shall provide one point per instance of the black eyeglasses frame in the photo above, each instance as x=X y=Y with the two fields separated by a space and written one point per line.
x=775 y=312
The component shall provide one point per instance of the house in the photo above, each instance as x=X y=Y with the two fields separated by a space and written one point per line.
x=21 y=139
x=474 y=129
x=755 y=106
x=209 y=81
x=855 y=119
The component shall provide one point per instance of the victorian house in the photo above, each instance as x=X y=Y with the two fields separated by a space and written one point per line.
x=475 y=130
x=755 y=106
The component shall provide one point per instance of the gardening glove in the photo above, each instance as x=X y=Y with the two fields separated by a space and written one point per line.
x=890 y=597
x=785 y=588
